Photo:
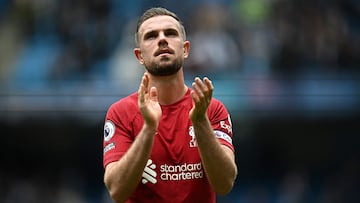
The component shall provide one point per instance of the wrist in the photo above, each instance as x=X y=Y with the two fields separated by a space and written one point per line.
x=149 y=130
x=199 y=120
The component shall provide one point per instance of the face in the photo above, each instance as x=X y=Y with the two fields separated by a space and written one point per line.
x=162 y=48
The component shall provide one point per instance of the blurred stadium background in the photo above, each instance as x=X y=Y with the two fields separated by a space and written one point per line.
x=288 y=71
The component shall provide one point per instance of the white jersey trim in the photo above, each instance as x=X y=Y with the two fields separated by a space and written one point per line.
x=221 y=135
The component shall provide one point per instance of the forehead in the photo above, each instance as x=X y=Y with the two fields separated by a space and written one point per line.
x=159 y=23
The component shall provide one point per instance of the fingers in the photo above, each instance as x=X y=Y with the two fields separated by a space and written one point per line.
x=153 y=94
x=145 y=81
x=209 y=84
x=203 y=88
x=143 y=88
x=201 y=95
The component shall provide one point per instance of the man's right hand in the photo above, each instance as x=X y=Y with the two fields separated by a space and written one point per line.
x=148 y=103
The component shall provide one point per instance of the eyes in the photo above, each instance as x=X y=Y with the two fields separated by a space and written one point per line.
x=154 y=34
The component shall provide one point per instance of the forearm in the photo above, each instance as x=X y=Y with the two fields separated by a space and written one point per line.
x=218 y=160
x=122 y=177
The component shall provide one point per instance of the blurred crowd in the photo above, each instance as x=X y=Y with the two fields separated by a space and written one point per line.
x=94 y=39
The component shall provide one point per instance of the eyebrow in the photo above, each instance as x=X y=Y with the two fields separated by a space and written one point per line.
x=154 y=32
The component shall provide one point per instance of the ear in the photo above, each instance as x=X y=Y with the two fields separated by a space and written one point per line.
x=138 y=55
x=186 y=49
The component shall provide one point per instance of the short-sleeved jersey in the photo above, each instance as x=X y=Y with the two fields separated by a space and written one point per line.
x=174 y=172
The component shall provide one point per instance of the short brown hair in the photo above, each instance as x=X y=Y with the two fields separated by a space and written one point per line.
x=158 y=11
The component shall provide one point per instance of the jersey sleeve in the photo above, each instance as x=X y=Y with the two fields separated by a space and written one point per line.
x=117 y=134
x=221 y=123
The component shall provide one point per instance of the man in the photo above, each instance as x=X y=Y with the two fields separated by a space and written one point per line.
x=167 y=142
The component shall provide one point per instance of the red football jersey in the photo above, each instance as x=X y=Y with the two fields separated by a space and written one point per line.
x=174 y=172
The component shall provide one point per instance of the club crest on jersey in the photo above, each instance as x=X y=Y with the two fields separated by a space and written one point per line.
x=192 y=142
x=109 y=130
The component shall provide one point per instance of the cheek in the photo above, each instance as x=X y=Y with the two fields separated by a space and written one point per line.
x=147 y=52
x=144 y=54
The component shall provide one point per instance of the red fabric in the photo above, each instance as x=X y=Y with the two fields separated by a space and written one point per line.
x=175 y=159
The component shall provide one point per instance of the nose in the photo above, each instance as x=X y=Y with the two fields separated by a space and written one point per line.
x=162 y=39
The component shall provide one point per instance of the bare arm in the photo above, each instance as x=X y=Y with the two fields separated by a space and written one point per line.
x=122 y=177
x=218 y=160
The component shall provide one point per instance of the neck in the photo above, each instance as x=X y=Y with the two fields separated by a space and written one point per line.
x=170 y=88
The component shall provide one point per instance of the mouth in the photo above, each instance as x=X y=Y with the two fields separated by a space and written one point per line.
x=163 y=52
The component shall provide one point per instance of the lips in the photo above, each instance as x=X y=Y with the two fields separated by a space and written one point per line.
x=163 y=51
